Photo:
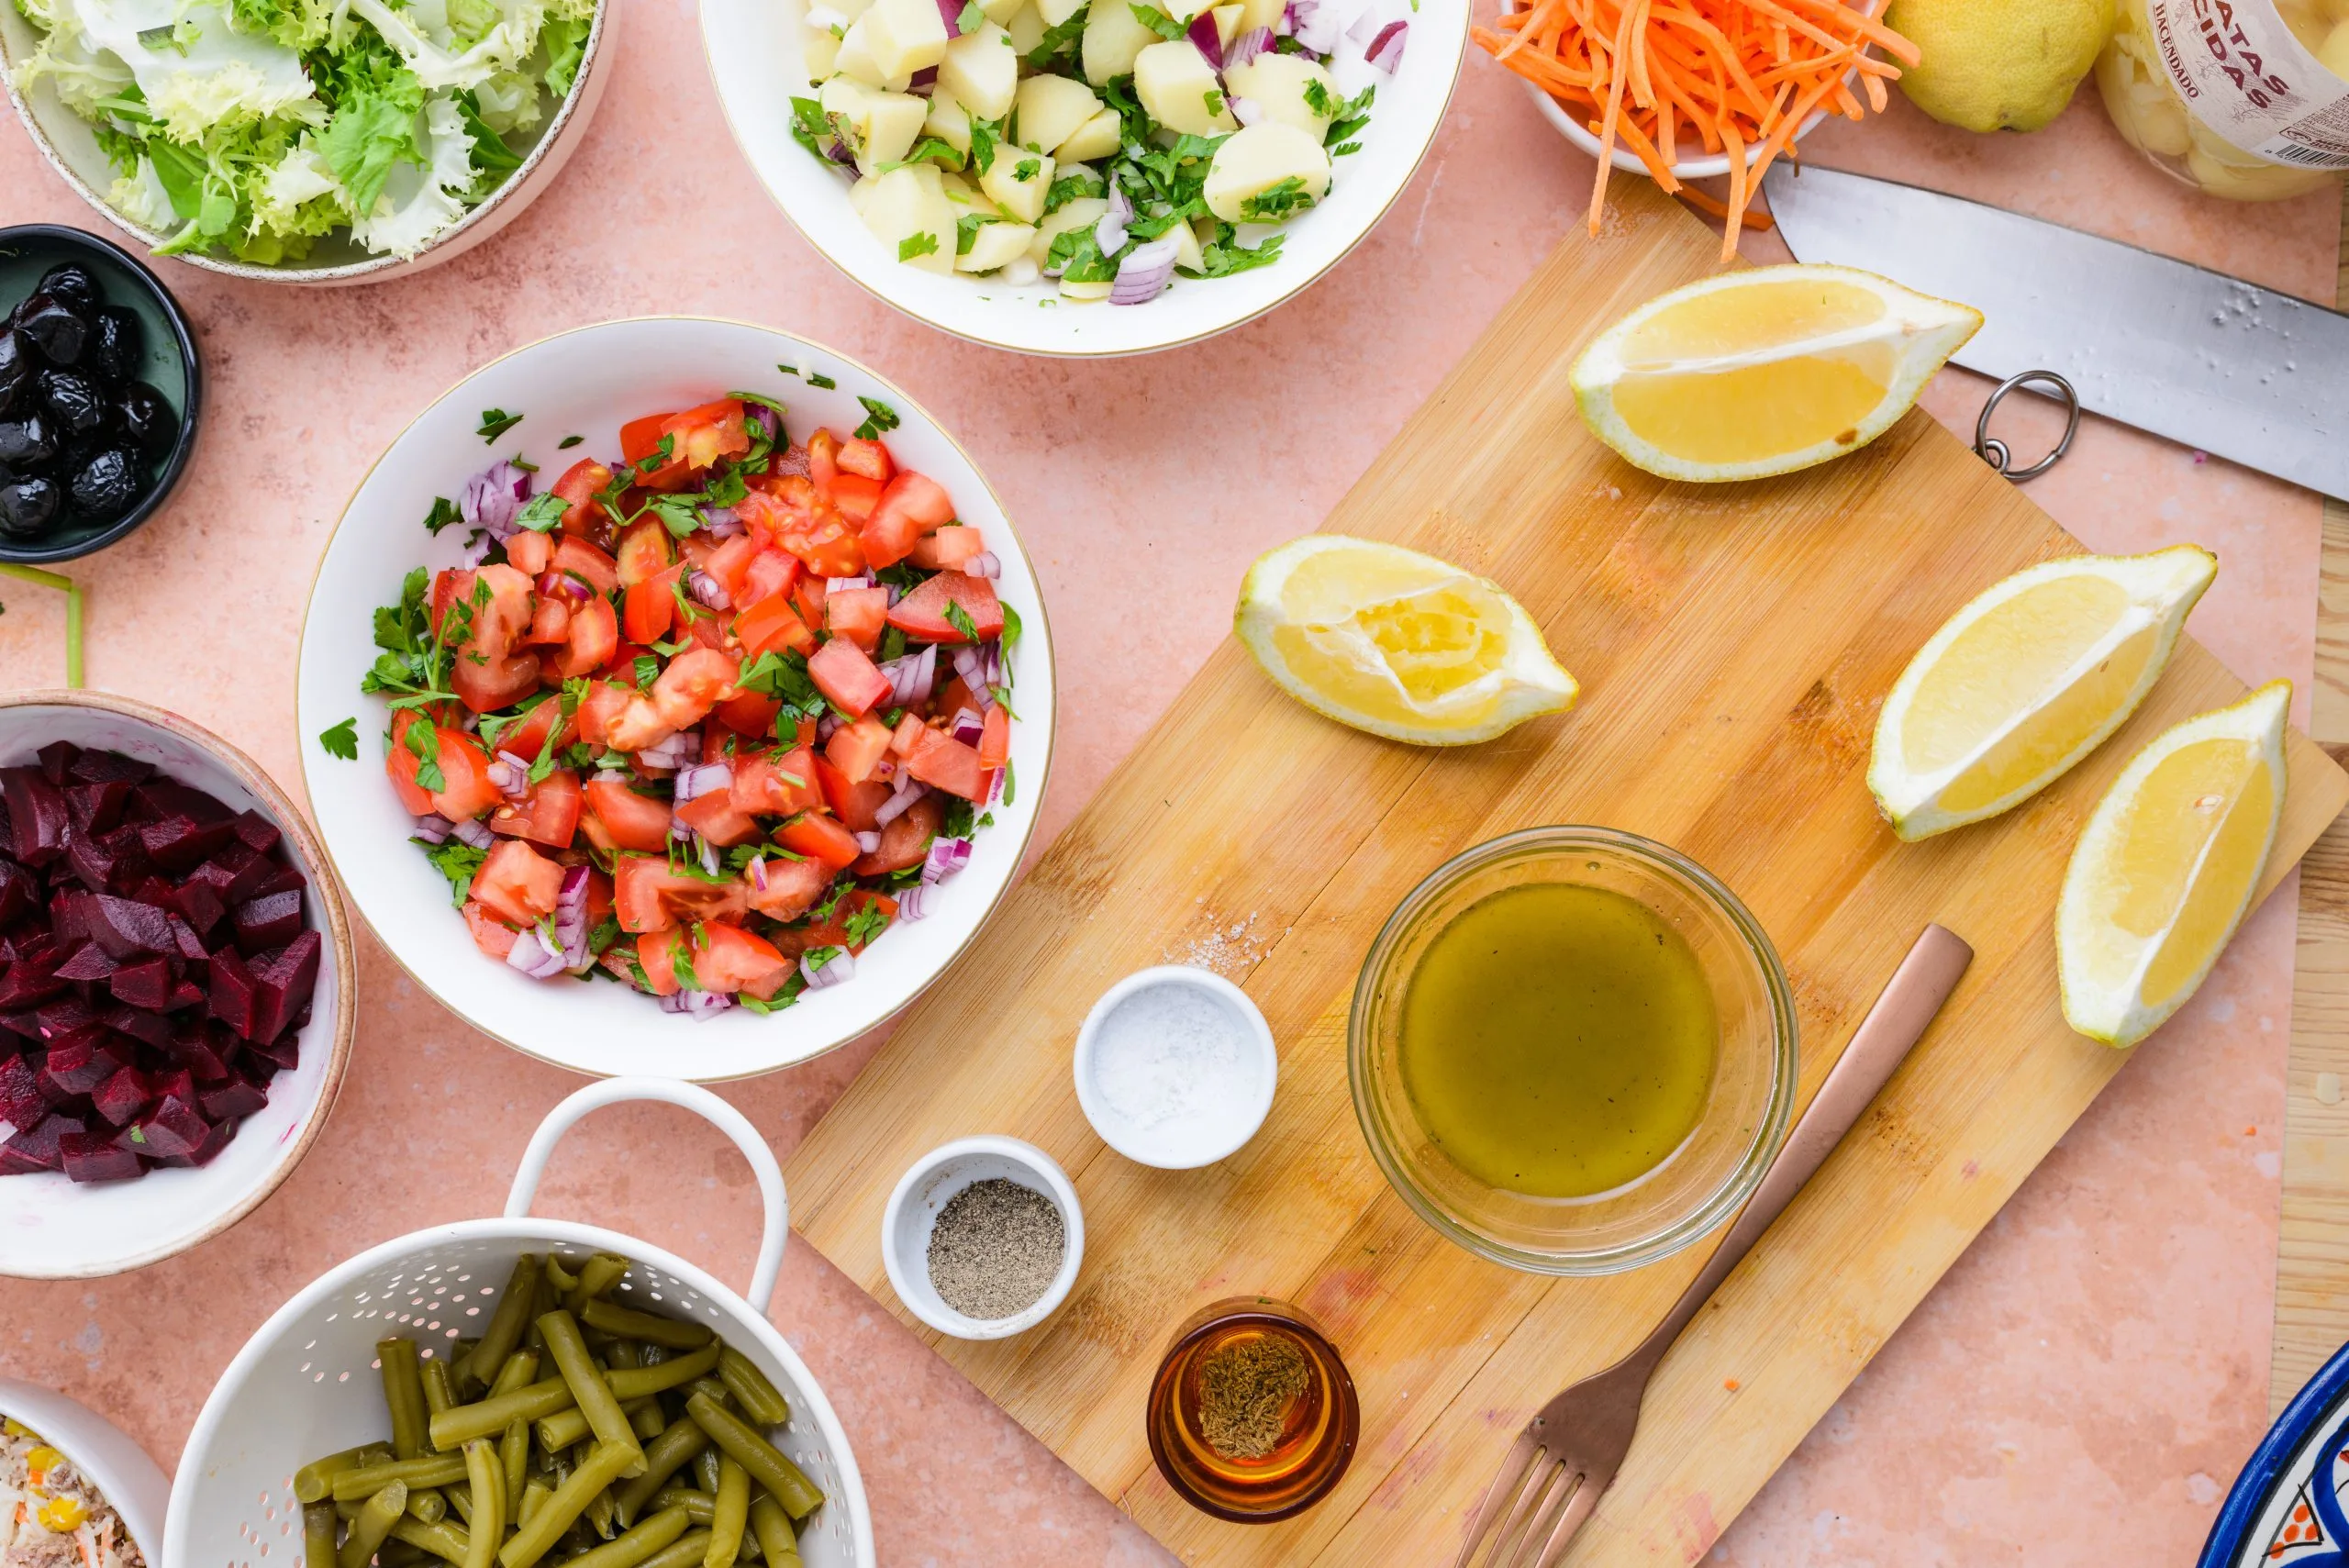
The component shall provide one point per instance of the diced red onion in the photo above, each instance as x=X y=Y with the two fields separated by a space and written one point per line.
x=912 y=677
x=723 y=522
x=706 y=854
x=493 y=496
x=759 y=414
x=677 y=752
x=477 y=834
x=1290 y=16
x=869 y=842
x=986 y=563
x=837 y=969
x=946 y=857
x=913 y=903
x=511 y=774
x=951 y=11
x=532 y=957
x=968 y=726
x=1247 y=111
x=610 y=775
x=571 y=919
x=895 y=594
x=1143 y=276
x=910 y=789
x=827 y=725
x=971 y=665
x=699 y=1006
x=478 y=550
x=995 y=786
x=758 y=870
x=709 y=591
x=1386 y=49
x=1315 y=25
x=1245 y=48
x=1365 y=26
x=433 y=828
x=1205 y=38
x=842 y=585
x=840 y=154
x=702 y=778
x=1110 y=233
x=680 y=833
x=564 y=585
x=923 y=80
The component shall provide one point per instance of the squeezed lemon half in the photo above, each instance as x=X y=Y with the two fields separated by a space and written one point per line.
x=1395 y=642
x=2165 y=869
x=1763 y=371
x=2030 y=677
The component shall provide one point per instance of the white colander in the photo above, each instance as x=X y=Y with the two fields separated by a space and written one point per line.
x=305 y=1384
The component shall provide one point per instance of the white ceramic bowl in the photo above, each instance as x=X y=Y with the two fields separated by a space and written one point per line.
x=103 y=1453
x=51 y=1227
x=1626 y=161
x=586 y=381
x=1175 y=1146
x=912 y=1214
x=755 y=59
x=70 y=145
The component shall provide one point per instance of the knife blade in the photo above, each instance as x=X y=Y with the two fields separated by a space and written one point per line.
x=2206 y=359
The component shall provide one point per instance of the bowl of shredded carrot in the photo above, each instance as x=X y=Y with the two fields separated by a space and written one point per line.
x=1690 y=89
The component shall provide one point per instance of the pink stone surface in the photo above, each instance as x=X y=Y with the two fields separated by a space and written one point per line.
x=2100 y=1355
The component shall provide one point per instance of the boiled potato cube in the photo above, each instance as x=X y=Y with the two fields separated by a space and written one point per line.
x=1056 y=12
x=949 y=121
x=819 y=51
x=1051 y=110
x=1096 y=138
x=892 y=125
x=1187 y=246
x=844 y=101
x=1254 y=14
x=1072 y=289
x=1082 y=212
x=1178 y=87
x=855 y=57
x=982 y=70
x=1114 y=36
x=995 y=245
x=962 y=192
x=1027 y=30
x=905 y=36
x=1276 y=84
x=1000 y=12
x=1251 y=162
x=1018 y=182
x=1227 y=22
x=911 y=215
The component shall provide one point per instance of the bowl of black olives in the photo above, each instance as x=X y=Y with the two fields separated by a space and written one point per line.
x=99 y=391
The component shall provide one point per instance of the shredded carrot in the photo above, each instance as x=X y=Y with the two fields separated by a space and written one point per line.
x=1667 y=77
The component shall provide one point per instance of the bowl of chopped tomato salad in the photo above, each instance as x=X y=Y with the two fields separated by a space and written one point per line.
x=675 y=698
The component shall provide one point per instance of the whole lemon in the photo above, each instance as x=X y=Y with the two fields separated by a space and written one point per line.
x=1998 y=64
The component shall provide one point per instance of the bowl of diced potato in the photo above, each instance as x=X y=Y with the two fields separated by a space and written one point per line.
x=1084 y=177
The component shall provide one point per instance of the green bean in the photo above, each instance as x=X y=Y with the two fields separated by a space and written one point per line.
x=733 y=1513
x=426 y=1505
x=404 y=1392
x=486 y=1518
x=460 y=1494
x=514 y=1455
x=658 y=1531
x=683 y=1553
x=506 y=1323
x=521 y=1369
x=701 y=1507
x=772 y=1526
x=624 y=1353
x=535 y=1494
x=659 y=1378
x=440 y=1387
x=644 y=1419
x=602 y=1516
x=707 y=1466
x=452 y=1429
x=561 y=1429
x=314 y=1483
x=767 y=1463
x=397 y=1553
x=570 y=1500
x=433 y=1470
x=599 y=1275
x=630 y=1324
x=319 y=1528
x=760 y=1400
x=561 y=1279
x=677 y=1443
x=713 y=1387
x=375 y=1522
x=445 y=1541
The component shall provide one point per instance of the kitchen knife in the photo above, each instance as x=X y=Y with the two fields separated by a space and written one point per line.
x=2201 y=358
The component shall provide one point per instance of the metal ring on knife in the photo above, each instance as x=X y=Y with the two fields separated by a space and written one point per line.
x=1994 y=451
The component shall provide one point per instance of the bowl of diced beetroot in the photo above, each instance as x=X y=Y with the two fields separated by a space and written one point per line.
x=175 y=1006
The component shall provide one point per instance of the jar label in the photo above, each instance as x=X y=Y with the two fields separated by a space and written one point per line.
x=2247 y=78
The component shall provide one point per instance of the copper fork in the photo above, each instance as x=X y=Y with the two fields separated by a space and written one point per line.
x=1553 y=1477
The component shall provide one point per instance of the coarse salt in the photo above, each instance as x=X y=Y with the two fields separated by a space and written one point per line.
x=1169 y=1061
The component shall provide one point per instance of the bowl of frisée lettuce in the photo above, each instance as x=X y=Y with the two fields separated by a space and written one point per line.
x=314 y=141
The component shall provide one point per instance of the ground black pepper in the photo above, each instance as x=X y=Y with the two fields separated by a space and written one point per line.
x=995 y=1247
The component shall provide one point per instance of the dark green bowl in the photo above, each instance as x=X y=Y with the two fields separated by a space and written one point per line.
x=29 y=249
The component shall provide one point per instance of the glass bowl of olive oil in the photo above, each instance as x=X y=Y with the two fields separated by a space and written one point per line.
x=1573 y=1050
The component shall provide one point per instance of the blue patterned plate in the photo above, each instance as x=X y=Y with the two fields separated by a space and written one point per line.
x=2289 y=1507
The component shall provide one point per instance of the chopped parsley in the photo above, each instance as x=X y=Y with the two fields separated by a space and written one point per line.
x=985 y=135
x=817 y=379
x=568 y=442
x=810 y=128
x=1027 y=169
x=922 y=244
x=782 y=675
x=495 y=422
x=541 y=512
x=414 y=664
x=341 y=739
x=967 y=227
x=960 y=619
x=1276 y=202
x=867 y=923
x=878 y=415
x=1057 y=41
x=929 y=150
x=457 y=860
x=1158 y=22
x=443 y=512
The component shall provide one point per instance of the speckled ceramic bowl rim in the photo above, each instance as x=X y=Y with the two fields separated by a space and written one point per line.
x=192 y=394
x=2271 y=1464
x=349 y=271
x=319 y=869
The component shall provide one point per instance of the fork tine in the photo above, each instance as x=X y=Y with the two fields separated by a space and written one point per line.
x=1570 y=1522
x=1516 y=1467
x=1533 y=1502
x=1564 y=1484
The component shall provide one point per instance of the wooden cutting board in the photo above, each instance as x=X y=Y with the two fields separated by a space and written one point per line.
x=1733 y=646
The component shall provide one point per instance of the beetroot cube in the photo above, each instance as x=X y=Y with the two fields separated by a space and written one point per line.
x=25 y=1023
x=147 y=983
x=21 y=1101
x=233 y=992
x=69 y=916
x=147 y=1029
x=161 y=797
x=63 y=1018
x=36 y=1148
x=94 y=808
x=108 y=767
x=29 y=980
x=200 y=905
x=237 y=1097
x=80 y=1066
x=181 y=844
x=55 y=758
x=268 y=922
x=174 y=1129
x=20 y=892
x=36 y=819
x=216 y=1139
x=188 y=993
x=282 y=1054
x=258 y=832
x=88 y=962
x=283 y=982
x=126 y=929
x=121 y=1097
x=93 y=1157
x=281 y=879
x=166 y=1081
x=204 y=1049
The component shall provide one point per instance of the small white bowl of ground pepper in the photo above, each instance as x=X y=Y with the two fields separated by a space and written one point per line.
x=983 y=1237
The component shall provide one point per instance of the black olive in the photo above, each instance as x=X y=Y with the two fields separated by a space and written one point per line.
x=147 y=417
x=72 y=281
x=16 y=367
x=57 y=327
x=28 y=506
x=116 y=346
x=105 y=487
x=75 y=400
x=27 y=442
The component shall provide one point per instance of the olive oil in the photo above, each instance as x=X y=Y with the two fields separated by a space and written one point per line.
x=1558 y=1041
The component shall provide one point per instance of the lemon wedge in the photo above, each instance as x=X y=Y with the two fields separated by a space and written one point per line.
x=1396 y=642
x=2025 y=681
x=2166 y=870
x=1763 y=371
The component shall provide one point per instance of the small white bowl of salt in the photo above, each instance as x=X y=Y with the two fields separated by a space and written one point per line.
x=1175 y=1068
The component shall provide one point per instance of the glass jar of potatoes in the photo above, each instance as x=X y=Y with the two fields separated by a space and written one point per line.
x=2244 y=99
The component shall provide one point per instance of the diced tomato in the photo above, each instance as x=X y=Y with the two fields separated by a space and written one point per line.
x=648 y=897
x=912 y=505
x=577 y=487
x=948 y=550
x=645 y=551
x=950 y=765
x=833 y=933
x=847 y=677
x=693 y=684
x=727 y=958
x=488 y=673
x=552 y=625
x=706 y=434
x=590 y=565
x=639 y=727
x=730 y=562
x=640 y=438
x=713 y=817
x=490 y=934
x=856 y=750
x=656 y=954
x=772 y=572
x=823 y=458
x=548 y=815
x=957 y=696
x=517 y=884
x=650 y=607
x=828 y=547
x=402 y=764
x=855 y=495
x=854 y=804
x=905 y=841
x=593 y=636
x=807 y=598
x=857 y=614
x=602 y=704
x=529 y=552
x=791 y=888
x=619 y=819
x=995 y=738
x=751 y=714
x=868 y=460
x=771 y=626
x=921 y=615
x=777 y=785
x=528 y=739
x=819 y=839
x=910 y=733
x=466 y=791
